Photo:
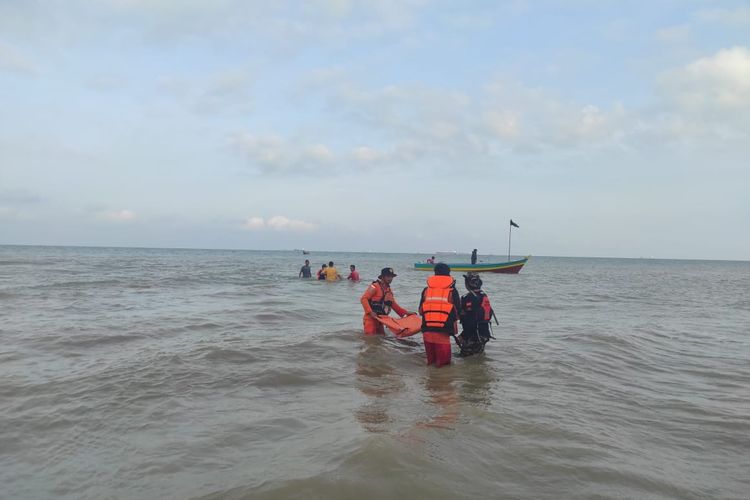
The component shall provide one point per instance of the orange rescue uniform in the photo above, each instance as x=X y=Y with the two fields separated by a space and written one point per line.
x=378 y=298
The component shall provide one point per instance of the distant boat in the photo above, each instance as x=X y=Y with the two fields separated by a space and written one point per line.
x=510 y=267
x=305 y=252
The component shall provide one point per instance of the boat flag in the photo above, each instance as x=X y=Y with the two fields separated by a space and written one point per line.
x=513 y=223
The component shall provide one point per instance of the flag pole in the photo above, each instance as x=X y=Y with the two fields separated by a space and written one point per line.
x=510 y=231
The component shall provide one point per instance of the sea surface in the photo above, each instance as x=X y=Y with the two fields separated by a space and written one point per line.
x=206 y=374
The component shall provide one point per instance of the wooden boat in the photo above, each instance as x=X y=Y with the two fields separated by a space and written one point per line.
x=510 y=267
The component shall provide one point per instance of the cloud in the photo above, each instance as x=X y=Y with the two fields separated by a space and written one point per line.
x=123 y=215
x=277 y=27
x=224 y=92
x=420 y=127
x=228 y=91
x=715 y=85
x=277 y=223
x=15 y=61
x=273 y=154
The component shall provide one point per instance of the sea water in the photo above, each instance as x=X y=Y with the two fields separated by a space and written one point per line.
x=150 y=373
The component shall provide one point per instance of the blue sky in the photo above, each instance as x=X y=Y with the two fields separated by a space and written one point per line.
x=603 y=128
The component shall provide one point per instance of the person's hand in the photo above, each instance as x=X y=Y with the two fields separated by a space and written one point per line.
x=373 y=315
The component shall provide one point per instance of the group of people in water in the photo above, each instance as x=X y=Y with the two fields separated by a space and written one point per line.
x=441 y=309
x=328 y=272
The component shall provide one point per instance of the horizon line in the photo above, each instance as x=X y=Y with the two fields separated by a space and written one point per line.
x=364 y=252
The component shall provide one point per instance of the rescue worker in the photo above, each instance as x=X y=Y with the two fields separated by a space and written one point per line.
x=439 y=308
x=475 y=315
x=378 y=299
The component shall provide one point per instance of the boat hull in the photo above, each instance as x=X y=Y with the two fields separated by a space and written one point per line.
x=510 y=267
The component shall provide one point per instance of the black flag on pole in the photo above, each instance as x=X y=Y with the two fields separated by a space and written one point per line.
x=513 y=223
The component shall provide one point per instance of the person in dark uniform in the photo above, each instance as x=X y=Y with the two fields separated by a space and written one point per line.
x=475 y=316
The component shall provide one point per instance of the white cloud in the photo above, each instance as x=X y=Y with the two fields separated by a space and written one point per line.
x=273 y=154
x=710 y=84
x=13 y=60
x=503 y=123
x=277 y=223
x=365 y=154
x=253 y=223
x=123 y=215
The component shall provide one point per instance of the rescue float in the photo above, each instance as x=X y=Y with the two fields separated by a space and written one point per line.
x=510 y=267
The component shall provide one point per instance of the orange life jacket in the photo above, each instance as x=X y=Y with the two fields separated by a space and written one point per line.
x=438 y=305
x=381 y=301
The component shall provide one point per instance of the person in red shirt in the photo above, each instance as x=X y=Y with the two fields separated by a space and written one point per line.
x=439 y=307
x=353 y=273
x=378 y=299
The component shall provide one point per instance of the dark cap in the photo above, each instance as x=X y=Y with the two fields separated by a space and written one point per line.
x=387 y=271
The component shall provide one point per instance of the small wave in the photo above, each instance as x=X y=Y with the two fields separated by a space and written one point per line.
x=229 y=356
x=282 y=378
x=91 y=341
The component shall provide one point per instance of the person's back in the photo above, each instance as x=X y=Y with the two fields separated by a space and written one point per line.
x=439 y=310
x=332 y=274
x=475 y=316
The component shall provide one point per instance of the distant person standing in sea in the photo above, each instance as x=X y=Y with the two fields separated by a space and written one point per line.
x=353 y=273
x=332 y=274
x=322 y=272
x=304 y=272
x=474 y=256
x=378 y=299
x=439 y=308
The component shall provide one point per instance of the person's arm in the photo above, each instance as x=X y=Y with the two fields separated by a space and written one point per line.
x=365 y=300
x=300 y=272
x=421 y=301
x=456 y=308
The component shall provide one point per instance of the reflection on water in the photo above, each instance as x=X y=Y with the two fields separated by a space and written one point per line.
x=377 y=379
x=442 y=396
x=412 y=395
x=478 y=376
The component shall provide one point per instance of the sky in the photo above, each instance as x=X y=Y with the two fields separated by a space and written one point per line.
x=602 y=128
